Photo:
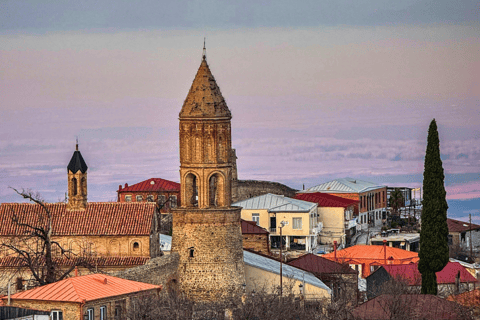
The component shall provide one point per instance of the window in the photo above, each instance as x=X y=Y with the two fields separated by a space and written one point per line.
x=173 y=201
x=136 y=246
x=103 y=313
x=118 y=312
x=56 y=315
x=139 y=198
x=256 y=217
x=161 y=199
x=75 y=187
x=150 y=198
x=297 y=223
x=128 y=198
x=450 y=239
x=90 y=314
x=190 y=251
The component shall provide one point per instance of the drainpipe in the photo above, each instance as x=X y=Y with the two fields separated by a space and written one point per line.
x=82 y=305
x=385 y=251
x=335 y=250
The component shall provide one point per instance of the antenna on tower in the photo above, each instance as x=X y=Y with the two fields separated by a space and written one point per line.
x=76 y=145
x=204 y=49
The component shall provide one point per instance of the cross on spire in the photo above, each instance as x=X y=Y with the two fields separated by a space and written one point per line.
x=204 y=49
x=76 y=145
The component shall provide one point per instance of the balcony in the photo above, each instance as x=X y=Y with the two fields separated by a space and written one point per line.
x=317 y=229
x=350 y=224
x=273 y=230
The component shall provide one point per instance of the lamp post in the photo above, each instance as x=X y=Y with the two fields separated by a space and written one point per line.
x=282 y=224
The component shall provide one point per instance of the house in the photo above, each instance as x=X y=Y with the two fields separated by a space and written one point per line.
x=396 y=239
x=410 y=306
x=459 y=236
x=453 y=278
x=372 y=198
x=255 y=238
x=298 y=220
x=152 y=190
x=366 y=259
x=469 y=299
x=105 y=235
x=336 y=215
x=263 y=273
x=89 y=297
x=342 y=279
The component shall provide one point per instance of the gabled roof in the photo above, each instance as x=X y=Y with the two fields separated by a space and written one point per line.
x=271 y=265
x=251 y=227
x=410 y=306
x=460 y=226
x=77 y=163
x=315 y=264
x=373 y=253
x=84 y=288
x=99 y=218
x=204 y=100
x=325 y=200
x=275 y=203
x=410 y=273
x=344 y=185
x=152 y=184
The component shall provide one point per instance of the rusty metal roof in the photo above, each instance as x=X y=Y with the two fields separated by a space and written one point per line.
x=460 y=226
x=84 y=288
x=99 y=218
x=316 y=264
x=251 y=227
x=326 y=200
x=152 y=184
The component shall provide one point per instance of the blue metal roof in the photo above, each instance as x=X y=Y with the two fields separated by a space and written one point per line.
x=276 y=203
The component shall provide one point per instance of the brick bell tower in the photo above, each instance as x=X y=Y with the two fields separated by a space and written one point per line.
x=77 y=182
x=206 y=229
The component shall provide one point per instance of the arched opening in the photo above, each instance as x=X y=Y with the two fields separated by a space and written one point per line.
x=74 y=186
x=191 y=251
x=83 y=186
x=216 y=190
x=191 y=190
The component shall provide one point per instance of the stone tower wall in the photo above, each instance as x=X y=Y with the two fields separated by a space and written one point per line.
x=210 y=247
x=77 y=190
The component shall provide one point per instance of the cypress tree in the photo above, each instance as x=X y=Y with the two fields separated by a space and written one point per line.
x=434 y=233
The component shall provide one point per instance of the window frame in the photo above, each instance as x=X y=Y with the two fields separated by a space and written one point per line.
x=256 y=218
x=295 y=225
x=103 y=313
x=139 y=196
x=58 y=315
x=173 y=201
x=90 y=314
x=128 y=198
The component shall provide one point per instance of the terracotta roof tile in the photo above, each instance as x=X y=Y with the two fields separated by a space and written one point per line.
x=84 y=288
x=152 y=184
x=325 y=200
x=99 y=218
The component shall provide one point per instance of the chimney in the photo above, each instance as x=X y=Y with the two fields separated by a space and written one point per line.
x=385 y=251
x=126 y=185
x=105 y=281
x=119 y=187
x=335 y=250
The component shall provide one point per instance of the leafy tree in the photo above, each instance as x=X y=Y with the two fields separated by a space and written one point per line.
x=396 y=200
x=434 y=233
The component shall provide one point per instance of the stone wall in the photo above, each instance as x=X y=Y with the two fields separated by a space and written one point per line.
x=256 y=242
x=245 y=189
x=157 y=271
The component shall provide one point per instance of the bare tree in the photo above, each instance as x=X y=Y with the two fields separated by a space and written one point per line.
x=33 y=245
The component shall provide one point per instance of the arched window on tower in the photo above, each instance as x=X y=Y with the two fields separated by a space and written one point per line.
x=83 y=186
x=216 y=190
x=191 y=190
x=74 y=186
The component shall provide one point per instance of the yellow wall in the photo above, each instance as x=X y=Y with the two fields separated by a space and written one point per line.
x=333 y=220
x=258 y=279
x=288 y=230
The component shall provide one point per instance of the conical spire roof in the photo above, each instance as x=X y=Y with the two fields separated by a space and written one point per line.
x=204 y=100
x=77 y=162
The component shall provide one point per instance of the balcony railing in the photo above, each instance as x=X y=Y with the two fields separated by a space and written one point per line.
x=273 y=230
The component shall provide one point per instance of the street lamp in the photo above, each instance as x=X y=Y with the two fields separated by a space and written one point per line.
x=282 y=224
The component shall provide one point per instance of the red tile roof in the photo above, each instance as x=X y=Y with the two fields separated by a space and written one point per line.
x=315 y=264
x=410 y=273
x=99 y=218
x=84 y=288
x=152 y=184
x=251 y=227
x=460 y=226
x=409 y=306
x=325 y=199
x=64 y=261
